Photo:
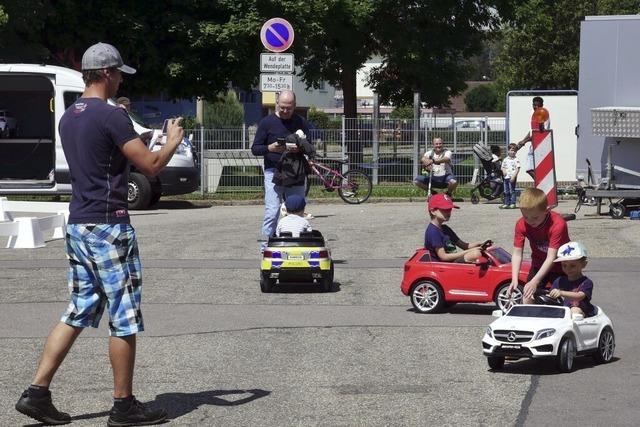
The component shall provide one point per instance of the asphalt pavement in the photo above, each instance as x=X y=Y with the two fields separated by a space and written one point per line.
x=217 y=351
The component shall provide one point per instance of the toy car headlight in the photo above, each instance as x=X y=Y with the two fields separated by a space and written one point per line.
x=544 y=333
x=489 y=331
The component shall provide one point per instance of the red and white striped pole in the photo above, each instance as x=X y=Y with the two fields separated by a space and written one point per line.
x=544 y=164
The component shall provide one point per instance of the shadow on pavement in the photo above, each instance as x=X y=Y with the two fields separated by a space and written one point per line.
x=304 y=288
x=179 y=404
x=545 y=367
x=179 y=204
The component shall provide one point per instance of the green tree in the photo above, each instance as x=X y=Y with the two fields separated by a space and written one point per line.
x=483 y=98
x=402 y=112
x=319 y=118
x=226 y=111
x=541 y=42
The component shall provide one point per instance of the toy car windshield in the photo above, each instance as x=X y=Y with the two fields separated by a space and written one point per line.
x=311 y=239
x=502 y=256
x=536 y=311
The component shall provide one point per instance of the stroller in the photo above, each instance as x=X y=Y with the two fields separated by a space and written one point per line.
x=490 y=187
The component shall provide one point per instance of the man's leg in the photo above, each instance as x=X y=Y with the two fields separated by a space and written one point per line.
x=35 y=401
x=272 y=201
x=451 y=187
x=58 y=344
x=122 y=353
x=422 y=181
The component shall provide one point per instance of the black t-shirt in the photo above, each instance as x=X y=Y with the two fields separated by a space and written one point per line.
x=92 y=133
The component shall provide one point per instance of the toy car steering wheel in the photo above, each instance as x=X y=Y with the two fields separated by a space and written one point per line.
x=486 y=244
x=542 y=297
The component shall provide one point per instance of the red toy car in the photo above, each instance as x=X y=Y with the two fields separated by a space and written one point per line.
x=432 y=285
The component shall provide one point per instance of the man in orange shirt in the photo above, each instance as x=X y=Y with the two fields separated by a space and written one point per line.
x=540 y=122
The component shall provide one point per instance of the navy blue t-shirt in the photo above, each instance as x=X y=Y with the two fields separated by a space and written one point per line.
x=269 y=130
x=435 y=238
x=582 y=284
x=92 y=133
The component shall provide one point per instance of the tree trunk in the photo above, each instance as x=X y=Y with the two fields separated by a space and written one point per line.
x=353 y=135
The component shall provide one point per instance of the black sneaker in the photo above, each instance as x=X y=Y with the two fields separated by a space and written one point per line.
x=137 y=415
x=41 y=409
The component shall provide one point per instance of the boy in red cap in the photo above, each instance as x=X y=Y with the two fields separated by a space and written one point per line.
x=441 y=241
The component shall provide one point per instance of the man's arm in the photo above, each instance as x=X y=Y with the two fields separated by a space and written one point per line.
x=151 y=162
x=444 y=159
x=524 y=140
x=261 y=147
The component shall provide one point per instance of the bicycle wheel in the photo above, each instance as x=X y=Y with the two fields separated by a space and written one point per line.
x=355 y=187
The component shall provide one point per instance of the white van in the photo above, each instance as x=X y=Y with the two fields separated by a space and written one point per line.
x=31 y=158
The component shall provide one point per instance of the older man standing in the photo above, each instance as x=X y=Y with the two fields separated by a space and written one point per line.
x=276 y=126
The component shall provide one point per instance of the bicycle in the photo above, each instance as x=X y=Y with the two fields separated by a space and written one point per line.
x=354 y=186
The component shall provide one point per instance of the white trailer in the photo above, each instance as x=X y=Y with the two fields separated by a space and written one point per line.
x=609 y=109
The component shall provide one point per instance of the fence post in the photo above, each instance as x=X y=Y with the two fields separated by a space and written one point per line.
x=344 y=143
x=375 y=143
x=203 y=179
x=416 y=131
x=244 y=135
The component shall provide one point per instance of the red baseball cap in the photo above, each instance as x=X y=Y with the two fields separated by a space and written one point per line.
x=441 y=201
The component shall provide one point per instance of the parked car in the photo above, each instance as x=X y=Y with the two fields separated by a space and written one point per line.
x=8 y=124
x=551 y=332
x=432 y=285
x=470 y=125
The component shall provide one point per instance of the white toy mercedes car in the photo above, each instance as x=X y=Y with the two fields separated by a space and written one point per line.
x=546 y=331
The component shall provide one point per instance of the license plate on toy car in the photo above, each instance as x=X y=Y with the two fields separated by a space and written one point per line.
x=295 y=257
x=297 y=264
x=511 y=346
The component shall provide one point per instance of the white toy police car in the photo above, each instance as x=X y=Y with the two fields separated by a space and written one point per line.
x=546 y=331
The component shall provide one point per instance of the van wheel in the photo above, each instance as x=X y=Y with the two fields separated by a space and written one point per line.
x=139 y=191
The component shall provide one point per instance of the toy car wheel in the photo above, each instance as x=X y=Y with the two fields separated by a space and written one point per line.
x=566 y=354
x=495 y=362
x=427 y=297
x=327 y=281
x=616 y=210
x=266 y=283
x=505 y=301
x=606 y=346
x=475 y=199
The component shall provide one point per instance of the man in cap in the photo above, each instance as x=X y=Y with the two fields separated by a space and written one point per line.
x=99 y=142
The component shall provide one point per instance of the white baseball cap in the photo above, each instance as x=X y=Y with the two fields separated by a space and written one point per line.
x=571 y=251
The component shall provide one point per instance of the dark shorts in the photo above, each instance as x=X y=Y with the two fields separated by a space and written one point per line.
x=547 y=281
x=104 y=272
x=437 y=181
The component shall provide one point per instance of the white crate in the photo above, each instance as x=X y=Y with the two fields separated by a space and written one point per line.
x=619 y=122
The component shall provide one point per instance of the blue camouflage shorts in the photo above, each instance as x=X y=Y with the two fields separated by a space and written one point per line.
x=104 y=270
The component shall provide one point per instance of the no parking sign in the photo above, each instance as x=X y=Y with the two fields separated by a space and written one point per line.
x=277 y=35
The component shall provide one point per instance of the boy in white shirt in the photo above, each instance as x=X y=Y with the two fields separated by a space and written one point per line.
x=294 y=222
x=510 y=169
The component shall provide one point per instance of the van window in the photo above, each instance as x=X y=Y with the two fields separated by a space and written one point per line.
x=70 y=98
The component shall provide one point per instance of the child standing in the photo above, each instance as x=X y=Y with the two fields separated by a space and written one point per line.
x=546 y=231
x=510 y=169
x=294 y=222
x=575 y=288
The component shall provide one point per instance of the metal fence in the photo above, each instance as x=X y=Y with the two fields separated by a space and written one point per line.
x=389 y=150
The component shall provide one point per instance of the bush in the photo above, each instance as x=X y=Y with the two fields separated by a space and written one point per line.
x=482 y=99
x=226 y=111
x=320 y=119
